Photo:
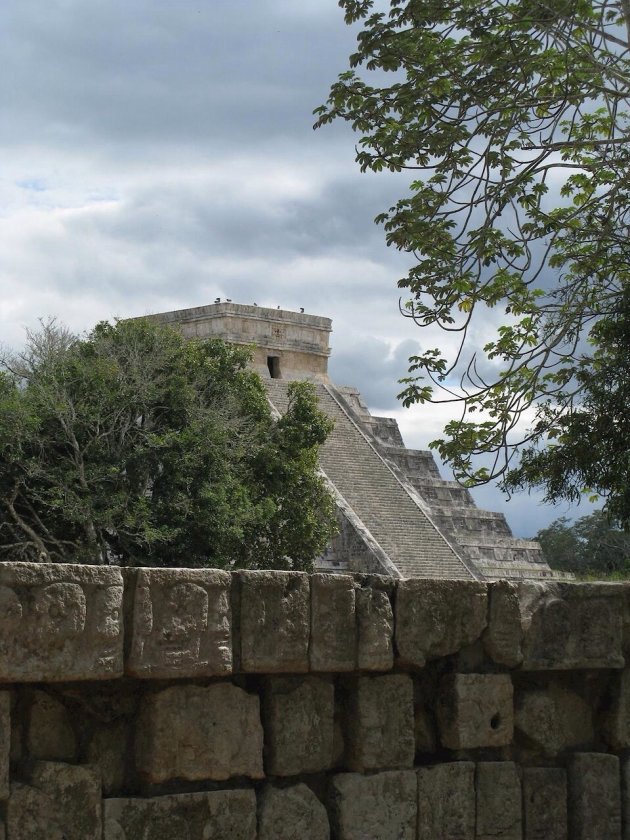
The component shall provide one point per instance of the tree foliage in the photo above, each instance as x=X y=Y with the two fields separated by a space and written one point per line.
x=589 y=546
x=135 y=446
x=512 y=116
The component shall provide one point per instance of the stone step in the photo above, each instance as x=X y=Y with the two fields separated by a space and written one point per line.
x=369 y=486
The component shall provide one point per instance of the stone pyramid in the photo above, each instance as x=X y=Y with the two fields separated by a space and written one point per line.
x=397 y=515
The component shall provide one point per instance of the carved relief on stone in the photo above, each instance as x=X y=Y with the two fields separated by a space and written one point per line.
x=333 y=643
x=438 y=617
x=60 y=622
x=571 y=626
x=275 y=621
x=181 y=624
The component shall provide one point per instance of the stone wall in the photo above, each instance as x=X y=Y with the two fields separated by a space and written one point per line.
x=201 y=705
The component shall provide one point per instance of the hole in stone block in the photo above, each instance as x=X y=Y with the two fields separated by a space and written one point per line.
x=495 y=721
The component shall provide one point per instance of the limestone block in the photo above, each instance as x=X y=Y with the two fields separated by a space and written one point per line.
x=625 y=797
x=554 y=719
x=504 y=635
x=378 y=807
x=107 y=750
x=60 y=622
x=594 y=797
x=192 y=732
x=618 y=720
x=571 y=625
x=181 y=624
x=475 y=710
x=293 y=813
x=274 y=622
x=498 y=801
x=375 y=621
x=437 y=617
x=63 y=802
x=5 y=742
x=545 y=803
x=31 y=814
x=333 y=644
x=50 y=734
x=299 y=725
x=446 y=801
x=186 y=816
x=380 y=726
x=624 y=590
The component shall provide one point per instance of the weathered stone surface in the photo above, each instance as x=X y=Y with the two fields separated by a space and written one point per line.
x=17 y=747
x=50 y=734
x=375 y=621
x=5 y=742
x=437 y=617
x=446 y=801
x=594 y=797
x=63 y=802
x=107 y=750
x=299 y=725
x=504 y=635
x=571 y=625
x=424 y=729
x=187 y=816
x=625 y=797
x=293 y=813
x=545 y=803
x=379 y=722
x=618 y=720
x=31 y=813
x=498 y=801
x=475 y=710
x=181 y=624
x=379 y=807
x=333 y=644
x=274 y=622
x=554 y=719
x=191 y=732
x=60 y=622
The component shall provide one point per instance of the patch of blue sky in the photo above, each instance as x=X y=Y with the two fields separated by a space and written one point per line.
x=33 y=184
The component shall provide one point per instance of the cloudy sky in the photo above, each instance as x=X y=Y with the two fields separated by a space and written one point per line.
x=156 y=155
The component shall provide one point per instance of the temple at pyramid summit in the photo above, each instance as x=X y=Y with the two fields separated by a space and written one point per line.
x=397 y=515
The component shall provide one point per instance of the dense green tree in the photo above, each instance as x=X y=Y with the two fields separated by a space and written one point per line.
x=135 y=446
x=512 y=116
x=590 y=450
x=591 y=545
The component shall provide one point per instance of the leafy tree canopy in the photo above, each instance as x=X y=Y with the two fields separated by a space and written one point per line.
x=512 y=116
x=135 y=446
x=589 y=546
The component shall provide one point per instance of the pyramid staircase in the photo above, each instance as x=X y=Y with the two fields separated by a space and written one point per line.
x=378 y=501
